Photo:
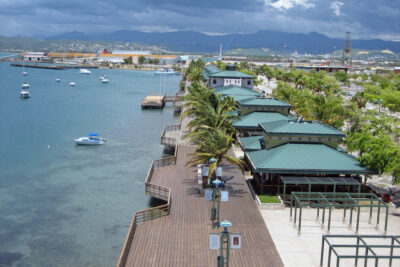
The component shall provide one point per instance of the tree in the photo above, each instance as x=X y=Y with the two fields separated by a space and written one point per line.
x=142 y=59
x=128 y=60
x=213 y=143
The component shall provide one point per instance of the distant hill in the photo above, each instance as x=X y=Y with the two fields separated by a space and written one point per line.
x=190 y=41
x=65 y=45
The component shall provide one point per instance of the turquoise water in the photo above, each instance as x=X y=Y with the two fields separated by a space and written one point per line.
x=67 y=205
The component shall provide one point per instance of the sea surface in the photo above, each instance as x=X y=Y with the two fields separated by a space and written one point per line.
x=68 y=205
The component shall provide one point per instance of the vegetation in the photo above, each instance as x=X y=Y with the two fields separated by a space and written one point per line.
x=142 y=59
x=269 y=199
x=318 y=96
x=128 y=61
x=194 y=73
x=211 y=127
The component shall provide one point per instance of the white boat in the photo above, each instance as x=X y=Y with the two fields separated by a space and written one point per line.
x=92 y=139
x=168 y=71
x=84 y=71
x=102 y=77
x=58 y=80
x=25 y=85
x=25 y=93
x=105 y=80
x=24 y=73
x=72 y=84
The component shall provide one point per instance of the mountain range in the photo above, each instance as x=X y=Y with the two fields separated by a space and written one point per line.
x=196 y=42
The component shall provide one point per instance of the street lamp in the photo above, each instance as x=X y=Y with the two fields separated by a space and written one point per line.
x=215 y=209
x=224 y=260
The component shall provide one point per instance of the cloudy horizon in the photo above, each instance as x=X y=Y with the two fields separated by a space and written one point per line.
x=364 y=19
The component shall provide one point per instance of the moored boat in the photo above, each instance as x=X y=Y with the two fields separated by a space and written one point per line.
x=25 y=93
x=92 y=139
x=72 y=84
x=84 y=71
x=168 y=71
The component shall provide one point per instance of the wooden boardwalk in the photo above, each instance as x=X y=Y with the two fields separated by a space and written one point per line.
x=182 y=237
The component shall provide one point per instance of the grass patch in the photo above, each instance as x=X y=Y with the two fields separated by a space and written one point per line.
x=269 y=199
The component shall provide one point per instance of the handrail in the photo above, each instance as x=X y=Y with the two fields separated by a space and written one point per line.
x=161 y=192
x=141 y=217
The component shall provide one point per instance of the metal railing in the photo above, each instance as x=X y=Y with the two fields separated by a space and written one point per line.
x=141 y=217
x=169 y=141
x=153 y=190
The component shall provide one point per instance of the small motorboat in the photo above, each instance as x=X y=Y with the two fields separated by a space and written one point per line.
x=92 y=139
x=24 y=73
x=25 y=85
x=168 y=71
x=84 y=71
x=72 y=84
x=105 y=80
x=102 y=77
x=58 y=80
x=25 y=93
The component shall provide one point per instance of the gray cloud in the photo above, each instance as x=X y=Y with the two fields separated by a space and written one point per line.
x=365 y=19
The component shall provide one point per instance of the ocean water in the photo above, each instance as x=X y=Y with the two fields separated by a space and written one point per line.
x=68 y=205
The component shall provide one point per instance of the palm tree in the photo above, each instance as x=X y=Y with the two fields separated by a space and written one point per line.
x=213 y=143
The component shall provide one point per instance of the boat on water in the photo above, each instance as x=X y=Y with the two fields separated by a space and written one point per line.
x=58 y=80
x=102 y=77
x=84 y=71
x=72 y=84
x=168 y=71
x=92 y=139
x=24 y=73
x=25 y=93
x=25 y=85
x=105 y=80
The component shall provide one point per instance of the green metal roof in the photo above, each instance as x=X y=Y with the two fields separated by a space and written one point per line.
x=304 y=158
x=252 y=120
x=251 y=143
x=238 y=98
x=208 y=70
x=264 y=102
x=230 y=74
x=306 y=128
x=235 y=90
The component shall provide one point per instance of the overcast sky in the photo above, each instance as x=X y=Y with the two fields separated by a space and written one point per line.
x=363 y=18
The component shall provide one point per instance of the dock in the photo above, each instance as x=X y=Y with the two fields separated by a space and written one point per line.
x=177 y=233
x=153 y=101
x=53 y=67
x=158 y=101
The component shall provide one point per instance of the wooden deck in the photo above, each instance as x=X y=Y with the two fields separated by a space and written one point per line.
x=182 y=237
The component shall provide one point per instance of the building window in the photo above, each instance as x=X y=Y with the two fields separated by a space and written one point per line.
x=248 y=82
x=214 y=81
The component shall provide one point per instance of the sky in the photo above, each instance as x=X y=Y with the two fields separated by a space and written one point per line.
x=365 y=19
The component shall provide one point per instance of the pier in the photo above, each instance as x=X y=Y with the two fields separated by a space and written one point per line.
x=177 y=232
x=158 y=101
x=53 y=67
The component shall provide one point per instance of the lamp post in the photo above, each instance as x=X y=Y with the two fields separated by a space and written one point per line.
x=215 y=208
x=224 y=241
